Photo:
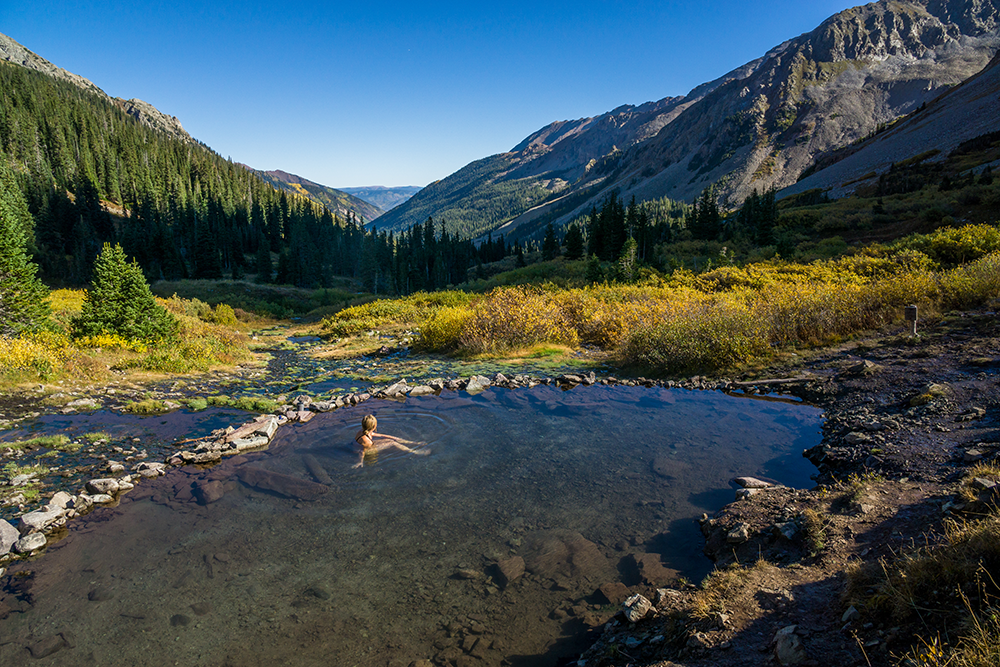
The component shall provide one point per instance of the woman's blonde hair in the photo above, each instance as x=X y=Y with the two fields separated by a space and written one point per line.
x=368 y=423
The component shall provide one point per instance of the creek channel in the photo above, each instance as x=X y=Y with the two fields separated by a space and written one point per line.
x=396 y=562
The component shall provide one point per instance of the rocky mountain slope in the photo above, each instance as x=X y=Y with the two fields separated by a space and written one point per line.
x=958 y=115
x=144 y=112
x=337 y=201
x=385 y=198
x=759 y=126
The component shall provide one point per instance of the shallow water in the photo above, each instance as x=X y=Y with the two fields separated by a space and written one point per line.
x=374 y=571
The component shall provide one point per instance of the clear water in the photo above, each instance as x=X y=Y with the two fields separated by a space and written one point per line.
x=376 y=570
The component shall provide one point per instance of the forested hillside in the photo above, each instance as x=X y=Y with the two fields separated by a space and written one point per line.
x=92 y=173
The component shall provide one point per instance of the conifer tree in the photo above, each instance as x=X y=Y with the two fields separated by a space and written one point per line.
x=23 y=297
x=574 y=242
x=119 y=302
x=550 y=245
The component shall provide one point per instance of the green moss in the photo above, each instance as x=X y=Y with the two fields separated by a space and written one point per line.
x=94 y=437
x=149 y=406
x=196 y=404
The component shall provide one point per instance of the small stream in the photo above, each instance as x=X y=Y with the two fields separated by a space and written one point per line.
x=397 y=560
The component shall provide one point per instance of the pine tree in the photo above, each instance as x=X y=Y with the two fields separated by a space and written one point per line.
x=550 y=245
x=119 y=302
x=574 y=242
x=627 y=261
x=23 y=297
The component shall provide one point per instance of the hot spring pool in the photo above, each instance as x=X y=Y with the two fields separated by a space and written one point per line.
x=393 y=564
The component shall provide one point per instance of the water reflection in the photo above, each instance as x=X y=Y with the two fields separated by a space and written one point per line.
x=397 y=561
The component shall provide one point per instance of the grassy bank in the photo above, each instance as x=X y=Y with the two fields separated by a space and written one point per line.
x=207 y=338
x=720 y=319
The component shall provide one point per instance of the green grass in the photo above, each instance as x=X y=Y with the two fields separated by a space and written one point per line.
x=248 y=403
x=58 y=442
x=94 y=437
x=148 y=406
x=277 y=301
x=12 y=470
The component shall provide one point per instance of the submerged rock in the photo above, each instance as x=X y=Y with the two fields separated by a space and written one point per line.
x=509 y=570
x=563 y=553
x=30 y=543
x=208 y=492
x=285 y=485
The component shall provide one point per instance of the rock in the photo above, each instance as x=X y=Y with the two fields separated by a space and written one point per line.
x=115 y=468
x=636 y=608
x=20 y=480
x=856 y=438
x=477 y=384
x=179 y=620
x=125 y=487
x=323 y=406
x=47 y=647
x=201 y=457
x=304 y=415
x=614 y=592
x=100 y=594
x=201 y=608
x=29 y=543
x=752 y=483
x=396 y=389
x=421 y=390
x=650 y=568
x=60 y=500
x=788 y=647
x=36 y=521
x=739 y=534
x=563 y=553
x=251 y=442
x=8 y=536
x=316 y=469
x=863 y=367
x=971 y=414
x=466 y=573
x=983 y=483
x=421 y=663
x=972 y=455
x=509 y=570
x=154 y=467
x=101 y=499
x=850 y=615
x=788 y=530
x=743 y=494
x=106 y=485
x=208 y=492
x=286 y=485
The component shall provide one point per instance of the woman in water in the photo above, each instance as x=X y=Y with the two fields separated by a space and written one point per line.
x=370 y=448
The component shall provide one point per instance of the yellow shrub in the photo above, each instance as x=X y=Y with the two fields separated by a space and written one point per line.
x=35 y=355
x=442 y=330
x=110 y=342
x=516 y=317
x=972 y=284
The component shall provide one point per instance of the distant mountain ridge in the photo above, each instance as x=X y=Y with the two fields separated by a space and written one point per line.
x=144 y=112
x=383 y=196
x=337 y=201
x=759 y=126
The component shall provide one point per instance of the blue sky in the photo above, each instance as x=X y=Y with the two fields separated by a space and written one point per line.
x=391 y=93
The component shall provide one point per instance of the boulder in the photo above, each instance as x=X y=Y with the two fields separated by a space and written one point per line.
x=508 y=570
x=36 y=521
x=208 y=492
x=636 y=608
x=614 y=592
x=396 y=389
x=752 y=483
x=421 y=390
x=106 y=485
x=60 y=500
x=285 y=485
x=201 y=457
x=304 y=415
x=563 y=553
x=739 y=534
x=101 y=499
x=650 y=569
x=477 y=384
x=8 y=536
x=252 y=442
x=788 y=647
x=29 y=543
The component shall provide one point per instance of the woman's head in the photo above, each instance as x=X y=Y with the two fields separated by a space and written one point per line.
x=368 y=423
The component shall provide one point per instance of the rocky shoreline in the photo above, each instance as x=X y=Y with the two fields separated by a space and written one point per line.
x=909 y=422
